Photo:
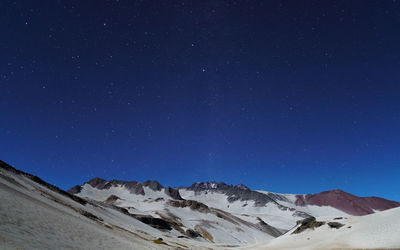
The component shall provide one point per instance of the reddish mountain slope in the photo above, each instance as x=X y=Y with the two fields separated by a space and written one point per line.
x=346 y=202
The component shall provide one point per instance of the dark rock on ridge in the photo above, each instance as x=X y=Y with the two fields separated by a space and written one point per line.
x=153 y=185
x=234 y=193
x=173 y=193
x=194 y=205
x=97 y=183
x=134 y=187
x=75 y=189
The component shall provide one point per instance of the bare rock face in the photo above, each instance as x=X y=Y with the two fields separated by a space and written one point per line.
x=191 y=233
x=241 y=186
x=75 y=189
x=238 y=192
x=154 y=222
x=173 y=193
x=264 y=227
x=112 y=199
x=194 y=205
x=346 y=202
x=97 y=183
x=309 y=223
x=335 y=225
x=134 y=187
x=153 y=185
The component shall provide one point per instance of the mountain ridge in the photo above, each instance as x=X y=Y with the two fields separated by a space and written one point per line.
x=242 y=192
x=203 y=215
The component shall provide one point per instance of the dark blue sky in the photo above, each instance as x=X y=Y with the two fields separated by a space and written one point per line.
x=287 y=96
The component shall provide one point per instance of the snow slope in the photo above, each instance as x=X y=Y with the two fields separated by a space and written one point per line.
x=33 y=217
x=283 y=219
x=380 y=230
x=37 y=215
x=223 y=227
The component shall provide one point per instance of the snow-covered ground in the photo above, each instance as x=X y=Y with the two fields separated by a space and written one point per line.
x=246 y=210
x=380 y=230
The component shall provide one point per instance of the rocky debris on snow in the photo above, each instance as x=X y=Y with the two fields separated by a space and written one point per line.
x=308 y=223
x=112 y=199
x=335 y=225
x=234 y=193
x=194 y=205
x=153 y=185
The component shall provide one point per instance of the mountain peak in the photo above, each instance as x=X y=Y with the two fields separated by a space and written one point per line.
x=97 y=182
x=152 y=184
x=203 y=186
x=241 y=186
x=346 y=202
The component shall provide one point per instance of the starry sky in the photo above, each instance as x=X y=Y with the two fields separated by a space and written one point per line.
x=286 y=96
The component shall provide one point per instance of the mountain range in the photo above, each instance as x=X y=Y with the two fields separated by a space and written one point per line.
x=115 y=214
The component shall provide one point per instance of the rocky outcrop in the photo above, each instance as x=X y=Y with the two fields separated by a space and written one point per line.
x=154 y=222
x=134 y=187
x=335 y=225
x=97 y=183
x=194 y=205
x=234 y=193
x=173 y=193
x=264 y=227
x=346 y=202
x=301 y=214
x=153 y=185
x=75 y=189
x=309 y=223
x=112 y=199
x=192 y=234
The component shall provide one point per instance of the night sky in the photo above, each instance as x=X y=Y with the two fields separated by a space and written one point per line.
x=286 y=96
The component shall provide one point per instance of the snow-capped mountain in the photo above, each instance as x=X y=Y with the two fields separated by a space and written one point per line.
x=280 y=211
x=346 y=202
x=115 y=214
x=188 y=217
